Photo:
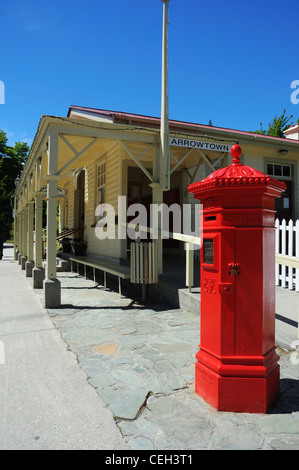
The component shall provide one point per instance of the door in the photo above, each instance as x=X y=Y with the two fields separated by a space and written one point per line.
x=284 y=204
x=218 y=291
x=283 y=172
x=79 y=219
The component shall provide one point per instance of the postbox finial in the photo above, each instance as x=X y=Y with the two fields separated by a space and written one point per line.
x=236 y=152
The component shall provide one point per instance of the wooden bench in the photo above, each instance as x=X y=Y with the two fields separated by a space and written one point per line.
x=122 y=272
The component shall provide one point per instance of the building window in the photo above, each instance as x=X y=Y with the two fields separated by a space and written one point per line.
x=280 y=171
x=101 y=184
x=66 y=214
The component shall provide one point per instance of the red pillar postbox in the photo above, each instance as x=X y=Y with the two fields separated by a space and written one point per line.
x=237 y=366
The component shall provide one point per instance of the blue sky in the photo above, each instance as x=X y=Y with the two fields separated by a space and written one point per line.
x=232 y=62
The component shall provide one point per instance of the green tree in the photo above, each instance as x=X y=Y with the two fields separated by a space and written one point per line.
x=277 y=126
x=12 y=160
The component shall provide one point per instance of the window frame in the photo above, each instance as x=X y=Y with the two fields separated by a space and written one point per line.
x=100 y=163
x=282 y=165
x=294 y=178
x=66 y=213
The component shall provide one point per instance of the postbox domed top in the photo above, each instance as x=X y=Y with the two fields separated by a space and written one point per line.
x=236 y=174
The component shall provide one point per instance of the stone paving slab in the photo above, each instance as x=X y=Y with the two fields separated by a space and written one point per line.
x=140 y=359
x=46 y=402
x=127 y=350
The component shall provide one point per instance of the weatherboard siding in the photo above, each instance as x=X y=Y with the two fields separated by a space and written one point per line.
x=113 y=177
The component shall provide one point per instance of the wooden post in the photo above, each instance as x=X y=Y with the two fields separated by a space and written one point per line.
x=157 y=198
x=189 y=266
x=20 y=234
x=29 y=262
x=25 y=237
x=38 y=229
x=51 y=283
x=297 y=255
x=15 y=230
x=38 y=273
x=164 y=131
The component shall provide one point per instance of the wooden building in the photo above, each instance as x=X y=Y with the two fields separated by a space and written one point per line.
x=93 y=156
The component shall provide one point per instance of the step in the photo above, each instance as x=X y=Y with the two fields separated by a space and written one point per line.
x=190 y=300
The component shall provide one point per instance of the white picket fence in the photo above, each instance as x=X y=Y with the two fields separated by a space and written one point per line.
x=286 y=257
x=287 y=243
x=287 y=254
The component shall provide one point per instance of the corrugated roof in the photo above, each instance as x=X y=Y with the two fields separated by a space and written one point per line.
x=131 y=118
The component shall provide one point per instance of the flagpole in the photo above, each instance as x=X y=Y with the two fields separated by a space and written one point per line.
x=164 y=131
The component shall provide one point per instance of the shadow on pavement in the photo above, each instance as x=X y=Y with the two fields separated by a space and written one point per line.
x=133 y=305
x=288 y=401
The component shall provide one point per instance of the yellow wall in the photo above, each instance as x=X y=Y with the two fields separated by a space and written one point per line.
x=109 y=248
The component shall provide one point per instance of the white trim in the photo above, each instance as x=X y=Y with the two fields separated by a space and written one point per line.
x=102 y=185
x=91 y=116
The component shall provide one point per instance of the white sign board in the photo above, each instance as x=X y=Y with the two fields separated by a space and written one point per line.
x=60 y=192
x=199 y=144
x=2 y=92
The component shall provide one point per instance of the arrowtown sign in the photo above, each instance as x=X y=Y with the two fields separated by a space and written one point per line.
x=198 y=144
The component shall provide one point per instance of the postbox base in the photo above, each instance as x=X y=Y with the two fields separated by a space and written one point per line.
x=237 y=394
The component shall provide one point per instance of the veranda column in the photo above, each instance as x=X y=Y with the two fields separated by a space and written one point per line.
x=20 y=228
x=25 y=236
x=15 y=241
x=52 y=288
x=29 y=265
x=38 y=272
x=164 y=128
x=162 y=157
x=157 y=198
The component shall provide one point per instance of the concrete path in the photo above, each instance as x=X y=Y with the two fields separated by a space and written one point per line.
x=45 y=399
x=140 y=362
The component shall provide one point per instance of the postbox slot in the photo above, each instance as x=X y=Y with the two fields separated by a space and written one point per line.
x=210 y=252
x=208 y=248
x=211 y=217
